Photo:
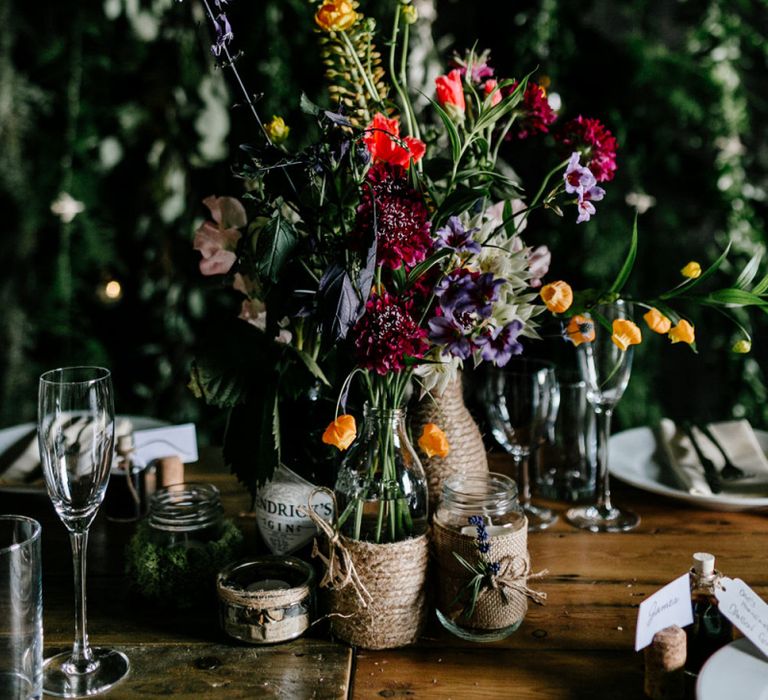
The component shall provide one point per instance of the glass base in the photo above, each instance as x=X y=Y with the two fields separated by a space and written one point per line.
x=539 y=518
x=477 y=635
x=597 y=519
x=109 y=667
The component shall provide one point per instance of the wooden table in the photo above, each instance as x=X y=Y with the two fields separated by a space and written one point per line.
x=578 y=645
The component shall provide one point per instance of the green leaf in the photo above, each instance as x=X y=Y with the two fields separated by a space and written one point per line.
x=215 y=388
x=450 y=127
x=427 y=264
x=750 y=270
x=734 y=297
x=629 y=263
x=274 y=244
x=312 y=366
x=461 y=199
x=307 y=106
x=761 y=287
x=495 y=114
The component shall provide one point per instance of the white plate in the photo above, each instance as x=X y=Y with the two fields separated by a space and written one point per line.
x=10 y=435
x=738 y=671
x=632 y=460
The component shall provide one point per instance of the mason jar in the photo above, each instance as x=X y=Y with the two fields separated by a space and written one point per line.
x=186 y=515
x=480 y=545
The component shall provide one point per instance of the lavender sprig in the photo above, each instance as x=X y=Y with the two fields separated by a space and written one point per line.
x=482 y=571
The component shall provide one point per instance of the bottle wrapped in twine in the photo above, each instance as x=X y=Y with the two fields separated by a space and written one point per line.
x=664 y=664
x=467 y=455
x=503 y=598
x=376 y=592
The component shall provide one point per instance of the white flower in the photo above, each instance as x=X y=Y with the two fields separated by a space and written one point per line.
x=436 y=375
x=66 y=207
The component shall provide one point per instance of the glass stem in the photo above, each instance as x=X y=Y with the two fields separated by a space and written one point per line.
x=524 y=477
x=82 y=657
x=604 y=415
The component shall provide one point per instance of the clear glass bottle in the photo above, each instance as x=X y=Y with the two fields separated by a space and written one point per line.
x=493 y=498
x=710 y=629
x=381 y=487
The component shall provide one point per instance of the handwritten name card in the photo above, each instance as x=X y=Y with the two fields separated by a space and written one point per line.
x=669 y=606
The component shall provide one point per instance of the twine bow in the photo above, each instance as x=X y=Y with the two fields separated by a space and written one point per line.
x=339 y=569
x=513 y=575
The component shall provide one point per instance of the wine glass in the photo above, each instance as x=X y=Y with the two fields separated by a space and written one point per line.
x=75 y=429
x=605 y=369
x=520 y=400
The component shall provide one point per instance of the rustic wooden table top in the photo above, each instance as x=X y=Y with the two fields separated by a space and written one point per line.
x=578 y=645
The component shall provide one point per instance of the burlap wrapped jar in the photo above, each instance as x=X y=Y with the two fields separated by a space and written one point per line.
x=467 y=455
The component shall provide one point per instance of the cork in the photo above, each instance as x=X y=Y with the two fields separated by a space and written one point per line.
x=170 y=470
x=664 y=662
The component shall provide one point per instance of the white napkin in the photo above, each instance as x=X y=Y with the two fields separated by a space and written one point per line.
x=28 y=462
x=737 y=439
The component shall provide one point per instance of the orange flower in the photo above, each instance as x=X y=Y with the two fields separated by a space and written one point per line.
x=490 y=89
x=580 y=330
x=683 y=332
x=450 y=91
x=692 y=270
x=336 y=16
x=433 y=441
x=382 y=137
x=558 y=296
x=341 y=433
x=657 y=321
x=625 y=333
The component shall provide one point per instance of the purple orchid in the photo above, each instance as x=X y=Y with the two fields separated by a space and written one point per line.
x=578 y=178
x=444 y=331
x=500 y=344
x=586 y=208
x=454 y=235
x=224 y=33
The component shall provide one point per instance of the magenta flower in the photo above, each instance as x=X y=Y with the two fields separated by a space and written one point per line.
x=534 y=113
x=217 y=240
x=596 y=143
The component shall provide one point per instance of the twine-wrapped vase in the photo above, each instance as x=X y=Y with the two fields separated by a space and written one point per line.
x=467 y=455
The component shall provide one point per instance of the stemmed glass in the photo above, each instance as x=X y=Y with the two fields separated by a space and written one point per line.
x=520 y=400
x=605 y=369
x=75 y=428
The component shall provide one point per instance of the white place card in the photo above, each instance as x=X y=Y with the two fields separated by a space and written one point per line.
x=745 y=609
x=669 y=606
x=174 y=440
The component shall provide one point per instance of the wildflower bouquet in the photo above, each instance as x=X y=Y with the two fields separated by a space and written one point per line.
x=389 y=250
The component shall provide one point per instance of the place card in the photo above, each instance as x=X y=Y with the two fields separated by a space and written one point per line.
x=172 y=441
x=669 y=606
x=745 y=609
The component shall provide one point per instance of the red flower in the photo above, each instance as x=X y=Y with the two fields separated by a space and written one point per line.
x=534 y=113
x=397 y=213
x=386 y=334
x=489 y=87
x=382 y=137
x=596 y=143
x=450 y=90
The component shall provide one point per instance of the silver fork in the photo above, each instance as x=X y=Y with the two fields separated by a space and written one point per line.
x=730 y=472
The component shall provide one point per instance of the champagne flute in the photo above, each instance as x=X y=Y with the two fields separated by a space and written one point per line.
x=605 y=369
x=75 y=428
x=520 y=400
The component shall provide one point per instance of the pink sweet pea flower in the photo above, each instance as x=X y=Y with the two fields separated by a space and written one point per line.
x=490 y=87
x=217 y=240
x=450 y=91
x=539 y=260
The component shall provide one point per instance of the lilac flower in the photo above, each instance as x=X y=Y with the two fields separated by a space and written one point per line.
x=578 y=178
x=586 y=208
x=445 y=332
x=454 y=235
x=500 y=344
x=224 y=33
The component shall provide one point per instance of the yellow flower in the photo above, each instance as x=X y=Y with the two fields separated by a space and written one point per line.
x=341 y=433
x=742 y=346
x=558 y=296
x=336 y=16
x=657 y=321
x=277 y=130
x=580 y=330
x=410 y=14
x=692 y=270
x=625 y=333
x=683 y=332
x=433 y=441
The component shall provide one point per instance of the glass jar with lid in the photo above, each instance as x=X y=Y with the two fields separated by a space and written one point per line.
x=480 y=540
x=185 y=540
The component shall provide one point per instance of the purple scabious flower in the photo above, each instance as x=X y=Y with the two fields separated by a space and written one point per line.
x=453 y=235
x=446 y=332
x=498 y=345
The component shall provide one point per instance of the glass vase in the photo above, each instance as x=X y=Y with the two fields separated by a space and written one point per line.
x=381 y=487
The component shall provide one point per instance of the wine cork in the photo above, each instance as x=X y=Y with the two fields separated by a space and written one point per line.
x=170 y=470
x=664 y=662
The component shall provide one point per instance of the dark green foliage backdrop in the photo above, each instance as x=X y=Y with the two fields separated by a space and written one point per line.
x=117 y=103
